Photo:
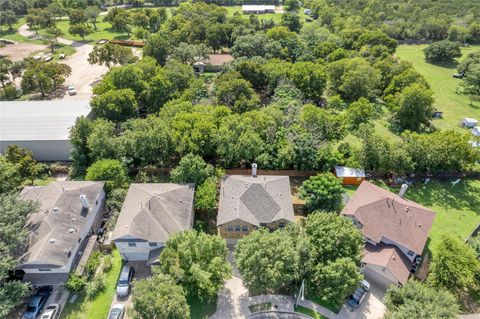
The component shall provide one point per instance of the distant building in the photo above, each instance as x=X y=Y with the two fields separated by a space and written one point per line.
x=395 y=230
x=150 y=214
x=469 y=122
x=249 y=202
x=258 y=9
x=68 y=213
x=476 y=131
x=350 y=176
x=41 y=126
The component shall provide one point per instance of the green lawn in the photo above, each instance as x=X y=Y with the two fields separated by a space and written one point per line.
x=457 y=207
x=325 y=303
x=200 y=309
x=309 y=312
x=454 y=106
x=98 y=307
x=15 y=36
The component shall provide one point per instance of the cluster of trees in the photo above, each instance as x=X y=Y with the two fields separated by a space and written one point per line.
x=469 y=69
x=325 y=252
x=420 y=20
x=193 y=265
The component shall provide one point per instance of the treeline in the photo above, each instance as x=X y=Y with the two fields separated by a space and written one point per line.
x=425 y=20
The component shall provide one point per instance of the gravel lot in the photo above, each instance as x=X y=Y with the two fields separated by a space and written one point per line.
x=19 y=51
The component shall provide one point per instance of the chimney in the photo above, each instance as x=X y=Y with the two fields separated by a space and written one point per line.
x=254 y=170
x=403 y=189
x=84 y=201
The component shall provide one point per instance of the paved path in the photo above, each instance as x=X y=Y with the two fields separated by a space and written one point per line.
x=471 y=316
x=320 y=309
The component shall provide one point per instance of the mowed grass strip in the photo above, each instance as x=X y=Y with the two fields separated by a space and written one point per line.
x=448 y=96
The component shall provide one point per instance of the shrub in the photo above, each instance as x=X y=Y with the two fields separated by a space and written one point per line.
x=76 y=283
x=95 y=286
x=113 y=172
x=92 y=264
x=107 y=263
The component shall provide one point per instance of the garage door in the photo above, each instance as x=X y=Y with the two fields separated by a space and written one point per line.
x=131 y=256
x=377 y=277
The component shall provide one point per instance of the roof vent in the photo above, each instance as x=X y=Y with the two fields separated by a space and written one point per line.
x=254 y=170
x=403 y=189
x=72 y=230
x=180 y=200
x=84 y=201
x=55 y=209
x=52 y=240
x=74 y=219
x=46 y=211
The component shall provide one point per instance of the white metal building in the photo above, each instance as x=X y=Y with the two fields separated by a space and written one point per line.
x=41 y=126
x=257 y=9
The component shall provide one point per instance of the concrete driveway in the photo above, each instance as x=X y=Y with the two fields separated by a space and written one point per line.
x=371 y=308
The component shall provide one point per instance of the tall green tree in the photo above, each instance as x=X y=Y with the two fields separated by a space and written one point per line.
x=112 y=172
x=159 y=297
x=115 y=105
x=422 y=300
x=322 y=192
x=414 y=107
x=268 y=261
x=44 y=77
x=192 y=169
x=110 y=54
x=442 y=51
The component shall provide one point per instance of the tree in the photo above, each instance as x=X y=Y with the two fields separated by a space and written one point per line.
x=206 y=196
x=471 y=80
x=158 y=46
x=422 y=300
x=13 y=217
x=454 y=267
x=291 y=5
x=360 y=111
x=336 y=279
x=25 y=163
x=414 y=107
x=457 y=33
x=52 y=35
x=190 y=53
x=39 y=18
x=8 y=18
x=233 y=91
x=268 y=261
x=292 y=22
x=115 y=105
x=91 y=14
x=309 y=78
x=323 y=191
x=197 y=261
x=5 y=65
x=159 y=296
x=192 y=169
x=442 y=51
x=82 y=30
x=44 y=77
x=112 y=172
x=77 y=16
x=109 y=54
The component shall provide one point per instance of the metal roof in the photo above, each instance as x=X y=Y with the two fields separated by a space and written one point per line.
x=39 y=120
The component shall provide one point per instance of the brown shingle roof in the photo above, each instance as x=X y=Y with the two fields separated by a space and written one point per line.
x=390 y=257
x=219 y=59
x=386 y=215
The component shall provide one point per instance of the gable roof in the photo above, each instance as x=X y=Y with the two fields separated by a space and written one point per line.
x=152 y=212
x=384 y=214
x=255 y=200
x=56 y=226
x=40 y=120
x=390 y=257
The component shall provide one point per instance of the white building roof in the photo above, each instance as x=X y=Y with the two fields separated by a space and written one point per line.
x=469 y=120
x=255 y=7
x=476 y=131
x=342 y=171
x=39 y=120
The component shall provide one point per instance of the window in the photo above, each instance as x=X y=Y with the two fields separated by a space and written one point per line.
x=132 y=245
x=237 y=227
x=153 y=244
x=245 y=228
x=230 y=228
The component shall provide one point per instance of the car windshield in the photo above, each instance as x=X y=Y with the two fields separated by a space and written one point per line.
x=122 y=282
x=31 y=309
x=114 y=314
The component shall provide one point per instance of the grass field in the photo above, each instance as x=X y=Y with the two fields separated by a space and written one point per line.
x=98 y=307
x=15 y=36
x=454 y=106
x=457 y=207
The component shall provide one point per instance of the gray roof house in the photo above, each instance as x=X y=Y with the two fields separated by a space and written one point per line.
x=41 y=126
x=150 y=214
x=68 y=212
x=248 y=202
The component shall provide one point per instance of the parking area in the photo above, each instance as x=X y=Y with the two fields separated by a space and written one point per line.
x=371 y=308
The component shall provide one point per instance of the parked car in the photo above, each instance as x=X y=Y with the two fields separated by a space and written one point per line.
x=117 y=312
x=51 y=311
x=36 y=303
x=48 y=57
x=71 y=90
x=356 y=299
x=123 y=284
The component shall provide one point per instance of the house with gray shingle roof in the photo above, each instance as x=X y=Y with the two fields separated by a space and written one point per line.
x=249 y=202
x=150 y=214
x=68 y=213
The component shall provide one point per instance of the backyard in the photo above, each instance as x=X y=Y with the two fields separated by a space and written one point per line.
x=448 y=97
x=99 y=306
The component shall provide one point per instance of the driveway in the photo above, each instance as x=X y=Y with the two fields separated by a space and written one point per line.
x=371 y=308
x=83 y=76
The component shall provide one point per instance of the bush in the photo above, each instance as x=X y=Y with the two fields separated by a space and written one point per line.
x=95 y=286
x=93 y=263
x=323 y=191
x=442 y=51
x=113 y=172
x=107 y=263
x=76 y=283
x=206 y=196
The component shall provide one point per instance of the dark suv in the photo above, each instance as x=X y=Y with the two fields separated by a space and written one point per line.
x=359 y=294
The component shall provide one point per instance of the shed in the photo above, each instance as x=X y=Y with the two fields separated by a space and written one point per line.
x=41 y=126
x=469 y=122
x=476 y=131
x=350 y=176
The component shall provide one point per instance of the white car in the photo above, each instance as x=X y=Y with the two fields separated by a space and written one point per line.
x=116 y=312
x=51 y=312
x=71 y=90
